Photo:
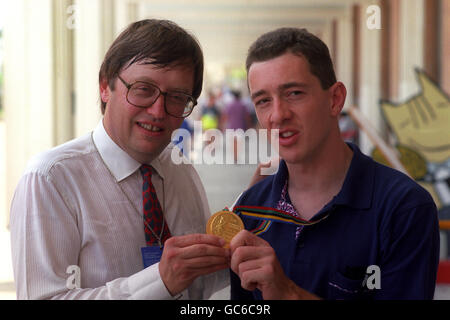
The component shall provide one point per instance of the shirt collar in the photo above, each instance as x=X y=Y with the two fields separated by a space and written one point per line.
x=120 y=163
x=357 y=189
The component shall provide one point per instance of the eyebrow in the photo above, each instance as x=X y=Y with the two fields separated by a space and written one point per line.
x=257 y=94
x=283 y=86
x=292 y=84
x=151 y=81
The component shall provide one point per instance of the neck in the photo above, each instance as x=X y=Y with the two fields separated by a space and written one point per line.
x=323 y=172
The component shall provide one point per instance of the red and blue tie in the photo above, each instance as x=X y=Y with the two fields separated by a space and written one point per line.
x=153 y=214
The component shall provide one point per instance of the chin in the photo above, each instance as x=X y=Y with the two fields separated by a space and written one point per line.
x=146 y=149
x=291 y=157
x=297 y=154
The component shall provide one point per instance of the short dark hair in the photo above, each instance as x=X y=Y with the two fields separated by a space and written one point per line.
x=297 y=41
x=163 y=42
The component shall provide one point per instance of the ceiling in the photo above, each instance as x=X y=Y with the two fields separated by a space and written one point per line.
x=226 y=29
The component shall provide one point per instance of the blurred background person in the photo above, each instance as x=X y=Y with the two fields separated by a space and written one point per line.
x=235 y=117
x=210 y=113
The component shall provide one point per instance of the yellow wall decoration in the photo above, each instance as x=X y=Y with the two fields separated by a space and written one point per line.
x=422 y=128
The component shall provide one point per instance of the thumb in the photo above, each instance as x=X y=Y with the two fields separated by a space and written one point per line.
x=246 y=238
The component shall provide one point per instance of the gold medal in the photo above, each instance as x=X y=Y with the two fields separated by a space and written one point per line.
x=225 y=224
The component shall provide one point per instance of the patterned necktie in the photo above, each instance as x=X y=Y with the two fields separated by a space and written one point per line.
x=153 y=214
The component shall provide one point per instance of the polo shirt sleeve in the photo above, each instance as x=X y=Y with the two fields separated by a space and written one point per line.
x=409 y=253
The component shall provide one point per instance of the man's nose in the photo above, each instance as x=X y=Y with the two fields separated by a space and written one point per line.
x=157 y=109
x=280 y=111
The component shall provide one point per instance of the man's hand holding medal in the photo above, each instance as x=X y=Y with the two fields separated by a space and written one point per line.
x=253 y=259
x=189 y=256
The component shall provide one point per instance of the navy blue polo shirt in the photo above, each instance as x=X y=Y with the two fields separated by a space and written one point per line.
x=379 y=218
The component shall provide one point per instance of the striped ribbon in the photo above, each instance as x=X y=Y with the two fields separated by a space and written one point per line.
x=270 y=215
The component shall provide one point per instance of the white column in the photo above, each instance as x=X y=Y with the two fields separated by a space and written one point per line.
x=345 y=54
x=369 y=76
x=28 y=87
x=93 y=35
x=411 y=46
x=121 y=15
x=63 y=13
x=327 y=35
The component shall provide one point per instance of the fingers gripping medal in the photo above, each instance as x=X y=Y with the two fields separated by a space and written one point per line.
x=225 y=224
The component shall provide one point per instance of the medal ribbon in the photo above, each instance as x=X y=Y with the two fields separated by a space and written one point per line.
x=271 y=214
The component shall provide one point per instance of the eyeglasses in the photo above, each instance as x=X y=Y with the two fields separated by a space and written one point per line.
x=143 y=95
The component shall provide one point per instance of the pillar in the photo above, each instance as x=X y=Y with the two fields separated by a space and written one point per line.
x=28 y=86
x=369 y=77
x=94 y=33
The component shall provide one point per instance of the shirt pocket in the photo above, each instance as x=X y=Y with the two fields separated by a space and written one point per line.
x=341 y=287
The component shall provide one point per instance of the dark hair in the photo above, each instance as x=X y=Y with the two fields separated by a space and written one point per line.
x=163 y=42
x=236 y=94
x=297 y=41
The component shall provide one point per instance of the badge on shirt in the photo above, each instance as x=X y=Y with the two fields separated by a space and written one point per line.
x=151 y=255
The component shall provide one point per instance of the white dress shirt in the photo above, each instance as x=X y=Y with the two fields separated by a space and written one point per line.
x=69 y=209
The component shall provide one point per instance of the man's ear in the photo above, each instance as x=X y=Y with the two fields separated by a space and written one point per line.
x=338 y=94
x=104 y=90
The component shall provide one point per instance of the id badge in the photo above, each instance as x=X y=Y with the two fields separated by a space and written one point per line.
x=151 y=255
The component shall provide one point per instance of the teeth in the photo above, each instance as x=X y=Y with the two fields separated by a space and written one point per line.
x=287 y=134
x=149 y=127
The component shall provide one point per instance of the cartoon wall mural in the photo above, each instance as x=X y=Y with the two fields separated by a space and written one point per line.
x=422 y=128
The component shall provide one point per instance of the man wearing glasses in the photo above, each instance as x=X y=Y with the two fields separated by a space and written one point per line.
x=89 y=218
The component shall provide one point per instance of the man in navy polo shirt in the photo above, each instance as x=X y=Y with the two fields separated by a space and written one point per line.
x=332 y=223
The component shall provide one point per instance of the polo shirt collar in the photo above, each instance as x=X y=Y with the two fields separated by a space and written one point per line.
x=280 y=179
x=357 y=190
x=120 y=163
